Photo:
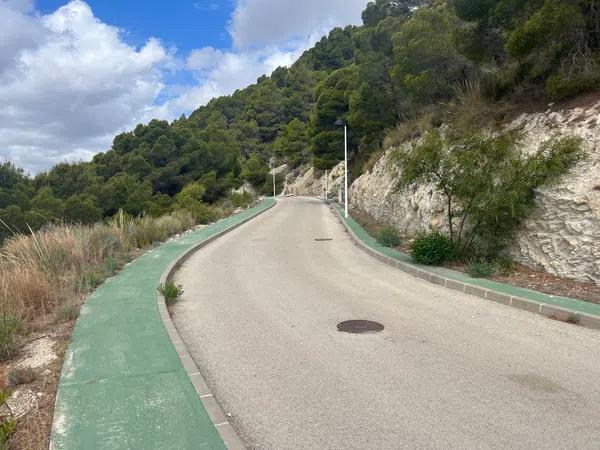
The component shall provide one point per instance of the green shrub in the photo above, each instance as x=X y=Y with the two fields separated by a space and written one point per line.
x=111 y=265
x=89 y=280
x=480 y=268
x=10 y=327
x=506 y=265
x=67 y=313
x=559 y=87
x=241 y=199
x=171 y=291
x=433 y=248
x=7 y=422
x=388 y=237
x=7 y=428
x=21 y=375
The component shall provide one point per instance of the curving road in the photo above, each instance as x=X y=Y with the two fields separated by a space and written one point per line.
x=449 y=370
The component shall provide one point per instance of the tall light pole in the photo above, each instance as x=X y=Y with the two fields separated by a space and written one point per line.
x=273 y=171
x=339 y=123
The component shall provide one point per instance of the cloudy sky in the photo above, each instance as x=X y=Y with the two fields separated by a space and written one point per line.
x=74 y=74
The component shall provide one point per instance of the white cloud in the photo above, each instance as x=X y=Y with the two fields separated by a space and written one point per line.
x=17 y=31
x=264 y=22
x=206 y=6
x=69 y=85
x=203 y=59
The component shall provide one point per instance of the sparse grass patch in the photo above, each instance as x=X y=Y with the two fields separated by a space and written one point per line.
x=574 y=319
x=21 y=375
x=506 y=265
x=411 y=129
x=171 y=292
x=388 y=237
x=481 y=268
x=10 y=328
x=111 y=266
x=373 y=159
x=89 y=280
x=241 y=200
x=7 y=422
x=67 y=312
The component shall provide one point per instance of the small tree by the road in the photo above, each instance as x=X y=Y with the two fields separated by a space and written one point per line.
x=487 y=182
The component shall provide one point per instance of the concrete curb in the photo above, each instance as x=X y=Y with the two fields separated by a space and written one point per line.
x=547 y=310
x=216 y=414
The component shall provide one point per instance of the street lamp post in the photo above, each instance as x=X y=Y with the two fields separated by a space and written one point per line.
x=273 y=171
x=340 y=123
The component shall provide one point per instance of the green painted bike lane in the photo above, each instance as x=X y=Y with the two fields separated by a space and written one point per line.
x=535 y=296
x=123 y=385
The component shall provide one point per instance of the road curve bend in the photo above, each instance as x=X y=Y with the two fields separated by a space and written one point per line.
x=260 y=313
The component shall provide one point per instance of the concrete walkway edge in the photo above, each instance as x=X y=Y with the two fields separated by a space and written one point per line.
x=216 y=414
x=127 y=380
x=569 y=311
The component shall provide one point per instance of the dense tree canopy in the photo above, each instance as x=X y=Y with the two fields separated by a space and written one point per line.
x=409 y=57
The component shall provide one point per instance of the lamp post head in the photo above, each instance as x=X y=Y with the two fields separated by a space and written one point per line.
x=340 y=123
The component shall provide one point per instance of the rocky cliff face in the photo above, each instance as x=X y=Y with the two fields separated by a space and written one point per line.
x=562 y=236
x=315 y=183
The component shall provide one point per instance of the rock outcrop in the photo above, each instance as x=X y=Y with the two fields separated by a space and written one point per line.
x=316 y=183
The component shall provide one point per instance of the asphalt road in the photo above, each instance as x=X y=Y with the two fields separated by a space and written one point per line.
x=449 y=370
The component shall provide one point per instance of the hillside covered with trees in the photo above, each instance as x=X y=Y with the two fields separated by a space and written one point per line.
x=412 y=62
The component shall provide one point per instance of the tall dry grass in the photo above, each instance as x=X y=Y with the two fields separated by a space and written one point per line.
x=59 y=264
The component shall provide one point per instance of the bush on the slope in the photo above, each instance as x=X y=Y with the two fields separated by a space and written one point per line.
x=389 y=237
x=433 y=248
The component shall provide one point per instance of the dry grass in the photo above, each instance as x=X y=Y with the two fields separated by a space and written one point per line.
x=44 y=277
x=414 y=128
x=373 y=159
x=47 y=269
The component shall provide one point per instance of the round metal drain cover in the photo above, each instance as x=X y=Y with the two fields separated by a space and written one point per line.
x=360 y=326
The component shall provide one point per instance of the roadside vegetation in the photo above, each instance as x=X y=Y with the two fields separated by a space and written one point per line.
x=488 y=184
x=7 y=420
x=46 y=273
x=45 y=276
x=388 y=237
x=171 y=292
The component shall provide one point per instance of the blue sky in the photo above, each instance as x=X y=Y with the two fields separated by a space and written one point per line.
x=184 y=24
x=73 y=74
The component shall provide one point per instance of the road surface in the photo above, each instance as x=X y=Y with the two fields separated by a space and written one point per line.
x=449 y=370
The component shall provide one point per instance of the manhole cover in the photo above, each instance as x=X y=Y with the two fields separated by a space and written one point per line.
x=323 y=239
x=360 y=326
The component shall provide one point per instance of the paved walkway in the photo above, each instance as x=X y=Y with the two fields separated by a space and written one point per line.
x=123 y=385
x=450 y=370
